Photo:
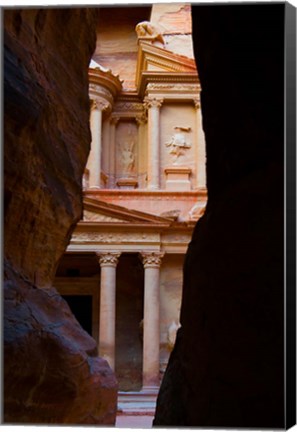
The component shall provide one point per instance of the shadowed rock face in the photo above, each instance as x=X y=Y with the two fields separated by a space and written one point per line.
x=51 y=370
x=227 y=365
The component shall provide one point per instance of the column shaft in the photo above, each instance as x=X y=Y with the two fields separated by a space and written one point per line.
x=151 y=322
x=153 y=143
x=201 y=153
x=95 y=161
x=141 y=120
x=108 y=264
x=112 y=152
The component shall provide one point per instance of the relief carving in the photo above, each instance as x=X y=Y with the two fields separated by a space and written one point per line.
x=126 y=143
x=178 y=144
x=174 y=86
x=171 y=334
x=148 y=31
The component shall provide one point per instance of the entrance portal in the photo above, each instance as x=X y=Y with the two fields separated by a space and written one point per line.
x=129 y=315
x=81 y=307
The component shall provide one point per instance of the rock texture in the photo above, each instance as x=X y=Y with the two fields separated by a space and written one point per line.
x=227 y=369
x=51 y=371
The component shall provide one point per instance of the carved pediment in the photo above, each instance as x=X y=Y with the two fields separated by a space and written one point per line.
x=151 y=57
x=156 y=64
x=97 y=217
x=96 y=211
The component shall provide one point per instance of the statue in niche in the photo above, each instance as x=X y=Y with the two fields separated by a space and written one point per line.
x=178 y=142
x=127 y=153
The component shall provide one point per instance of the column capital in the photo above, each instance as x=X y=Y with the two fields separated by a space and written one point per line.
x=114 y=120
x=150 y=102
x=197 y=103
x=151 y=259
x=99 y=104
x=108 y=259
x=141 y=119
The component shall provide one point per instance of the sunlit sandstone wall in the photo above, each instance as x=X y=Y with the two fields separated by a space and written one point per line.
x=175 y=22
x=116 y=47
x=226 y=369
x=51 y=370
x=175 y=115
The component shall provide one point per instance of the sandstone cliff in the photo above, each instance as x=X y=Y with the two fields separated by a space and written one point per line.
x=51 y=371
x=226 y=369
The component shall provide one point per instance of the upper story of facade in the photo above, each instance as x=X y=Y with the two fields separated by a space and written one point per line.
x=146 y=125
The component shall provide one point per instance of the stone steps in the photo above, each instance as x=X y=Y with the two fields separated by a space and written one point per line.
x=137 y=403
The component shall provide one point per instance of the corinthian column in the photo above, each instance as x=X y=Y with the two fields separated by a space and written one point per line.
x=94 y=163
x=108 y=262
x=151 y=321
x=153 y=105
x=201 y=154
x=112 y=153
x=141 y=121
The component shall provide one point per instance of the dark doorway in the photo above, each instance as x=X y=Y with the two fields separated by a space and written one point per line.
x=81 y=307
x=129 y=313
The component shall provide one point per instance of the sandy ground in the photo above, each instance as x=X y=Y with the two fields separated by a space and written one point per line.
x=137 y=421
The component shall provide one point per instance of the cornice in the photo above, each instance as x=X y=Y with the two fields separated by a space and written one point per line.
x=168 y=78
x=161 y=194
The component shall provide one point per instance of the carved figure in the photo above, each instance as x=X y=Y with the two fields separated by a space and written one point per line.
x=127 y=156
x=147 y=30
x=178 y=142
x=171 y=334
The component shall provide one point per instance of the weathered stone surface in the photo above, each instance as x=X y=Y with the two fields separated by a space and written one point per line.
x=226 y=369
x=51 y=371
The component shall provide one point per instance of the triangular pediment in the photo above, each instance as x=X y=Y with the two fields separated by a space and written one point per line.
x=154 y=58
x=96 y=211
x=155 y=64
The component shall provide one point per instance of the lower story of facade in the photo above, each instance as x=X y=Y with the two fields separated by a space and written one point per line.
x=122 y=277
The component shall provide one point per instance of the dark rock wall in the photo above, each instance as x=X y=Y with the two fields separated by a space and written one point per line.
x=227 y=369
x=51 y=371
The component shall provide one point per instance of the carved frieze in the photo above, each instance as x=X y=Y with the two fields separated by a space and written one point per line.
x=128 y=106
x=116 y=238
x=175 y=87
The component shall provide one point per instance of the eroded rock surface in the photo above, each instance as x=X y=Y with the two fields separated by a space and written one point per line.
x=51 y=371
x=226 y=369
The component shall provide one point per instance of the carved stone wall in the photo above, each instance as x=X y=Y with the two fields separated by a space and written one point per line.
x=178 y=139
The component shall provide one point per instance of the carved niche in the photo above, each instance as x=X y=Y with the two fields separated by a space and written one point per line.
x=126 y=150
